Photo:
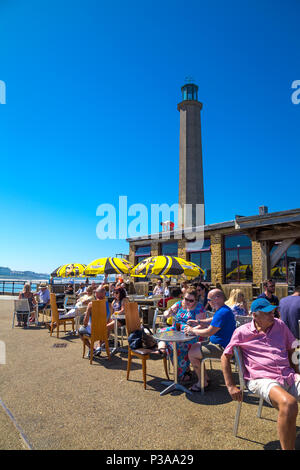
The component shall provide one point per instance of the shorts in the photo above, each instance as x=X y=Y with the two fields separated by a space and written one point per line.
x=212 y=350
x=262 y=388
x=84 y=331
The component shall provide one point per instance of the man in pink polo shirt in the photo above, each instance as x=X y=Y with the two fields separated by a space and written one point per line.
x=271 y=368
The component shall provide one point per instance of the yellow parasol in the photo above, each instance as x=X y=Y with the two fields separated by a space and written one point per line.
x=166 y=266
x=108 y=266
x=69 y=270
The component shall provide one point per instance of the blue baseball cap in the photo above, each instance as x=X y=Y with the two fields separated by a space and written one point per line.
x=262 y=305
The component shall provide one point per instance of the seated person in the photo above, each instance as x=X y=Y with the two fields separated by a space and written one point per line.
x=81 y=304
x=124 y=286
x=119 y=282
x=27 y=294
x=93 y=286
x=167 y=292
x=202 y=291
x=86 y=328
x=69 y=290
x=43 y=296
x=80 y=290
x=182 y=312
x=112 y=287
x=158 y=289
x=176 y=297
x=218 y=328
x=269 y=294
x=271 y=370
x=237 y=302
x=184 y=286
x=118 y=308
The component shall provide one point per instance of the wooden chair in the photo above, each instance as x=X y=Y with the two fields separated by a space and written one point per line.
x=133 y=323
x=98 y=328
x=57 y=318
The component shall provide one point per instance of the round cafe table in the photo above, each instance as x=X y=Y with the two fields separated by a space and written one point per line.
x=173 y=337
x=116 y=318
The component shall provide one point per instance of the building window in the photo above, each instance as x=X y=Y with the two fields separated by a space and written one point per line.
x=142 y=252
x=280 y=271
x=202 y=258
x=169 y=249
x=238 y=258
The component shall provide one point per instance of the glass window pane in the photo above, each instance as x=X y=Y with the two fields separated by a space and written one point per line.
x=279 y=271
x=195 y=258
x=205 y=264
x=245 y=265
x=238 y=265
x=232 y=241
x=206 y=244
x=203 y=259
x=143 y=250
x=231 y=264
x=293 y=253
x=139 y=259
x=170 y=249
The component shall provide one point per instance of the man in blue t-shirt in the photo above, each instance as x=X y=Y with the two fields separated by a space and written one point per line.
x=290 y=311
x=269 y=289
x=219 y=329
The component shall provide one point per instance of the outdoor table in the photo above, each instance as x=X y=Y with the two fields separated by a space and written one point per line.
x=147 y=301
x=78 y=314
x=173 y=337
x=116 y=318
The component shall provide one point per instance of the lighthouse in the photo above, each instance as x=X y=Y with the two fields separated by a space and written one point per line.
x=191 y=190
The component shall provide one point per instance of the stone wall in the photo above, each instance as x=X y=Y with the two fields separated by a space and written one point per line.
x=217 y=258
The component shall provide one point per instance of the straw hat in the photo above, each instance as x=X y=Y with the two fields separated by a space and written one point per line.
x=43 y=284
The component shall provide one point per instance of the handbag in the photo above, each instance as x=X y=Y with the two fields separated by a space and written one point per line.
x=148 y=340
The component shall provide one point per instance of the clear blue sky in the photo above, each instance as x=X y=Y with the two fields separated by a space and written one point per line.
x=91 y=114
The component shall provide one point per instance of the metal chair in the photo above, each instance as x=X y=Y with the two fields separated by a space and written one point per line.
x=156 y=314
x=240 y=366
x=122 y=330
x=21 y=307
x=240 y=320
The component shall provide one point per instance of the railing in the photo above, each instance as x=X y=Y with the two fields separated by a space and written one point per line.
x=15 y=286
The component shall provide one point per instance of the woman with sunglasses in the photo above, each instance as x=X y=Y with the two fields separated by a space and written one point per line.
x=187 y=309
x=202 y=292
x=118 y=308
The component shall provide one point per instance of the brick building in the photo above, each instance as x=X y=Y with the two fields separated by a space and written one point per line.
x=243 y=251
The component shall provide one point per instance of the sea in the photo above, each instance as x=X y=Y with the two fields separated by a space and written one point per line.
x=14 y=285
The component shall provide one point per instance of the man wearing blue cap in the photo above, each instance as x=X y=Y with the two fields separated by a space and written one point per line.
x=271 y=366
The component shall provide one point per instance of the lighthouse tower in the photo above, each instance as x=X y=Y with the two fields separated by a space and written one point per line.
x=191 y=189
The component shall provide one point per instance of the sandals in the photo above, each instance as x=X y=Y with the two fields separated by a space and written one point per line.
x=163 y=352
x=187 y=377
x=197 y=388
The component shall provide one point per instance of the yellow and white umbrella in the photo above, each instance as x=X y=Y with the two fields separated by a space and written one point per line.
x=108 y=266
x=166 y=266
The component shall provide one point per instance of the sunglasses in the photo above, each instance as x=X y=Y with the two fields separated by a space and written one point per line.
x=189 y=300
x=209 y=300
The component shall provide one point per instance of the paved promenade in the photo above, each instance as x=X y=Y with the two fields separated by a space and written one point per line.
x=59 y=401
